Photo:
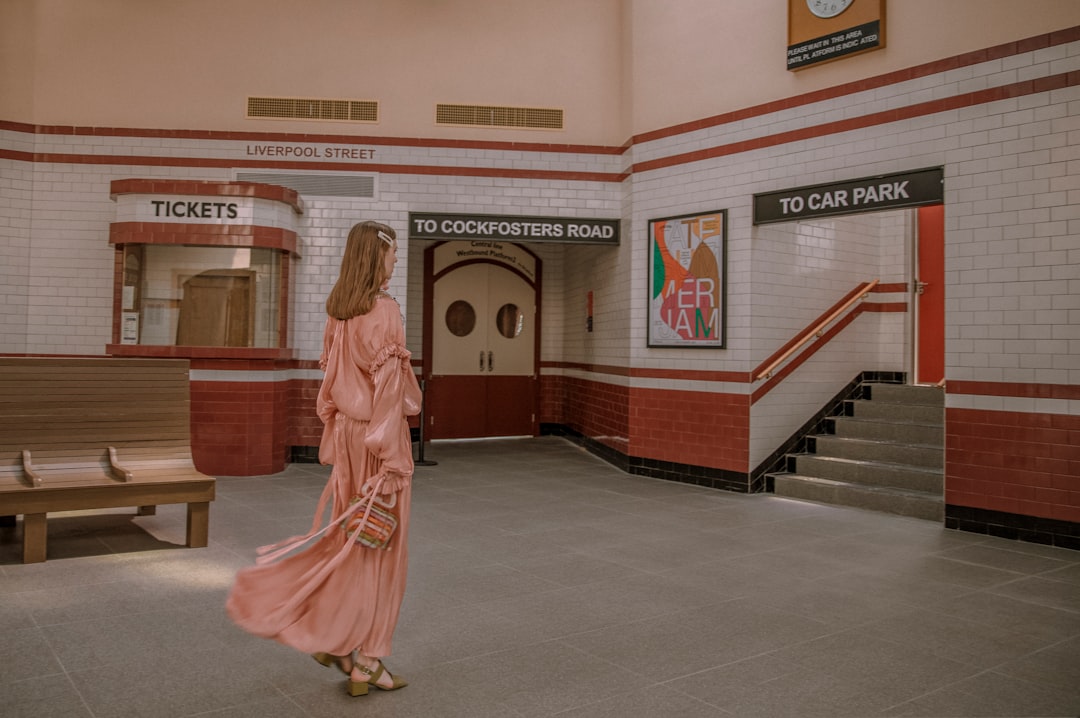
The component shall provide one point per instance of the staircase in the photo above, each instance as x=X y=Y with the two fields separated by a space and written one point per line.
x=886 y=453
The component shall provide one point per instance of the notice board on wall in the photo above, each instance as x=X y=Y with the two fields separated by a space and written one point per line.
x=826 y=30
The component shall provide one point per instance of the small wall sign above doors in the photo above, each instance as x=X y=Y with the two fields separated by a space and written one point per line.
x=507 y=228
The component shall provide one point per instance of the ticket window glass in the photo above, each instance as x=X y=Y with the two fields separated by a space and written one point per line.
x=201 y=296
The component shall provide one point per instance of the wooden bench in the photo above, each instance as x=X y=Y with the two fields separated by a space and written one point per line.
x=96 y=433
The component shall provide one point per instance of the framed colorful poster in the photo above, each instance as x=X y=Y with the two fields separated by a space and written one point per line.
x=688 y=280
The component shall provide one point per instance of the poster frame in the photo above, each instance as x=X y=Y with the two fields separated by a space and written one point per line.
x=718 y=251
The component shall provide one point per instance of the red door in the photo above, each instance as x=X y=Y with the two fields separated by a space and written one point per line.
x=930 y=296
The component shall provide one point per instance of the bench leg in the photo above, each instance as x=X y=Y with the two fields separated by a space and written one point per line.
x=198 y=524
x=146 y=511
x=34 y=534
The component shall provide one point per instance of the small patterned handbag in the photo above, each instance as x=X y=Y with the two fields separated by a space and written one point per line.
x=373 y=524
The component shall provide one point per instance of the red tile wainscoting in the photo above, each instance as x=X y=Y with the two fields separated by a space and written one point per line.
x=238 y=428
x=1013 y=462
x=305 y=427
x=596 y=410
x=689 y=427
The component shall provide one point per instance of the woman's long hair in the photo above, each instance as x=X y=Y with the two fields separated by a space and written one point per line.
x=363 y=271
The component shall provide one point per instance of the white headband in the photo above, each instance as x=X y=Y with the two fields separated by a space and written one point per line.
x=385 y=237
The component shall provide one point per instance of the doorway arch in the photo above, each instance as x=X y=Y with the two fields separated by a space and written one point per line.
x=481 y=339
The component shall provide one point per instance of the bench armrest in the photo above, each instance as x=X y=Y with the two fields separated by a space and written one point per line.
x=28 y=469
x=118 y=471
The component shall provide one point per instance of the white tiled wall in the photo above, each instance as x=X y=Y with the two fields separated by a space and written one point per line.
x=16 y=200
x=1012 y=237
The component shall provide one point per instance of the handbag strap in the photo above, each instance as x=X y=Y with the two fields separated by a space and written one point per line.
x=370 y=499
x=272 y=552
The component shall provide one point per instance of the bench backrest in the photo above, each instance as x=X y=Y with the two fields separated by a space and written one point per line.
x=74 y=408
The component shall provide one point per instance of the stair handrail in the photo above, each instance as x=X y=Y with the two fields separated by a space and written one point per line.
x=817 y=329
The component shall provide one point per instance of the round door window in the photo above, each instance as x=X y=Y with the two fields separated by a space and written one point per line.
x=509 y=320
x=460 y=318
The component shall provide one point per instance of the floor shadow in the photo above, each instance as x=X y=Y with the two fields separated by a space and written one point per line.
x=77 y=534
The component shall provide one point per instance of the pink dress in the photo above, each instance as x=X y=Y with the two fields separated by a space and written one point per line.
x=323 y=591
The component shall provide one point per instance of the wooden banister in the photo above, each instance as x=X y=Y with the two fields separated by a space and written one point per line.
x=816 y=330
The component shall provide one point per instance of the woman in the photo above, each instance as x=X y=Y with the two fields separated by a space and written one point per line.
x=337 y=598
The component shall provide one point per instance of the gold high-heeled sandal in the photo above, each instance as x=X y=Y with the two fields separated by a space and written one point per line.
x=360 y=688
x=331 y=661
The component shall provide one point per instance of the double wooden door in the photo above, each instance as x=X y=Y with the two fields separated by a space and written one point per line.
x=483 y=377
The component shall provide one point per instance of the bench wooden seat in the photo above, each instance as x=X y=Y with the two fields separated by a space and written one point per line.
x=96 y=433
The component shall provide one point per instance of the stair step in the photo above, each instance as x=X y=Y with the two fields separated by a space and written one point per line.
x=891 y=452
x=869 y=473
x=903 y=502
x=905 y=394
x=920 y=413
x=906 y=432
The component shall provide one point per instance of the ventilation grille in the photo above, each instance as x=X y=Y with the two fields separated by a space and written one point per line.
x=297 y=108
x=313 y=185
x=490 y=116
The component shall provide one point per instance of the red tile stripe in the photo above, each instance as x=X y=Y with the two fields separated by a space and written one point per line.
x=213 y=235
x=802 y=335
x=1015 y=389
x=300 y=137
x=970 y=99
x=648 y=373
x=997 y=52
x=162 y=351
x=203 y=188
x=144 y=160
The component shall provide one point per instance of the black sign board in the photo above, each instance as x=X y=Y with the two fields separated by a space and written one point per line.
x=830 y=47
x=504 y=228
x=905 y=189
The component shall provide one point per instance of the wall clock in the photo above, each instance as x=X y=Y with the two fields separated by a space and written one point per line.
x=828 y=8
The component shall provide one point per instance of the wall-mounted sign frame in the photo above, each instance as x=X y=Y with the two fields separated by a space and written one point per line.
x=688 y=280
x=869 y=194
x=509 y=228
x=825 y=30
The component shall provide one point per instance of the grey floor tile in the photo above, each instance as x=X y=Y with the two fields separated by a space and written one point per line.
x=546 y=582
x=1070 y=573
x=574 y=569
x=1010 y=615
x=834 y=603
x=27 y=654
x=545 y=679
x=687 y=642
x=992 y=695
x=646 y=702
x=435 y=692
x=806 y=694
x=277 y=707
x=957 y=638
x=165 y=688
x=44 y=697
x=889 y=671
x=1001 y=557
x=1043 y=591
x=1057 y=665
x=737 y=579
x=728 y=683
